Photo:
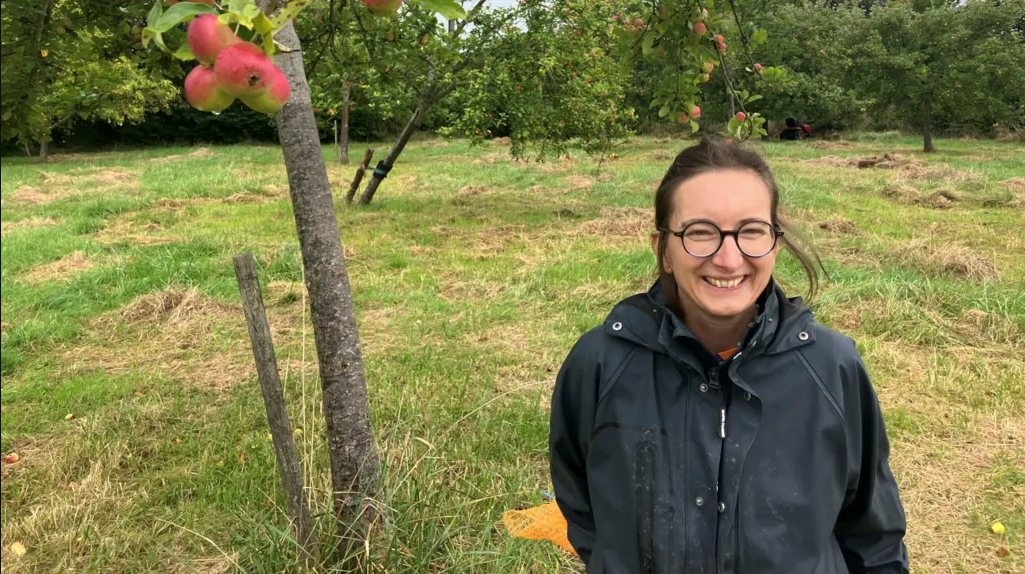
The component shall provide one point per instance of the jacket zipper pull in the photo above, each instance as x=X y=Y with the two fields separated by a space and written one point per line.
x=713 y=376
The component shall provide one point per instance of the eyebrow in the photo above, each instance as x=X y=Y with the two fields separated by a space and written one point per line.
x=740 y=223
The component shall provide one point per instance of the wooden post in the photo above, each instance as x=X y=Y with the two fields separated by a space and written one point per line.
x=344 y=135
x=274 y=401
x=360 y=171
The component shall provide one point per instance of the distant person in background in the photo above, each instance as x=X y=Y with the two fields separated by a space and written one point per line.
x=794 y=131
x=712 y=424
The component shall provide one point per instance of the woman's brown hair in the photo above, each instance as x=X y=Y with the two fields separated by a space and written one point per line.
x=713 y=154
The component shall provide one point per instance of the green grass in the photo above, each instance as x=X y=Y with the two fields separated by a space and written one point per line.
x=472 y=276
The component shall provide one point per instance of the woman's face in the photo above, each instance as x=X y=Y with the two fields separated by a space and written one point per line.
x=728 y=283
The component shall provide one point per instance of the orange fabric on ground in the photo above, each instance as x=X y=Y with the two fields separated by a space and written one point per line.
x=544 y=522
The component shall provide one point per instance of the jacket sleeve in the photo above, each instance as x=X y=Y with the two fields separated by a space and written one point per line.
x=871 y=525
x=572 y=420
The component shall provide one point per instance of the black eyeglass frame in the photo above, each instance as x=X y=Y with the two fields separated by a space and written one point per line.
x=723 y=234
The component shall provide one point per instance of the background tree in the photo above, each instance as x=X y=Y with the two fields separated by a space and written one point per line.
x=67 y=61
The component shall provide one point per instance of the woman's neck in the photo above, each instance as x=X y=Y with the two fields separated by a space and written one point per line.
x=717 y=334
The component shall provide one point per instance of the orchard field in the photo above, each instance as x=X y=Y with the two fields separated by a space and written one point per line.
x=129 y=391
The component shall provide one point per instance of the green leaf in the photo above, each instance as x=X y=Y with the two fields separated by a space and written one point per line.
x=450 y=9
x=155 y=12
x=282 y=17
x=151 y=35
x=694 y=127
x=262 y=25
x=179 y=13
x=664 y=111
x=759 y=37
x=184 y=52
x=754 y=98
x=649 y=41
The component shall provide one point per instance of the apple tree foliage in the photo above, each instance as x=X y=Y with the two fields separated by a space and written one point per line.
x=69 y=61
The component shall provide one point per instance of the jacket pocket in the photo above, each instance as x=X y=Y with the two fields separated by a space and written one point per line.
x=644 y=505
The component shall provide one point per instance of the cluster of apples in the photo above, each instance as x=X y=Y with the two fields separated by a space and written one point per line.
x=230 y=68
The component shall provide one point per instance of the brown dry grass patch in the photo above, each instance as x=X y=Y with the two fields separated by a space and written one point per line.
x=838 y=224
x=30 y=195
x=830 y=145
x=124 y=230
x=474 y=190
x=946 y=480
x=60 y=270
x=908 y=168
x=200 y=153
x=983 y=326
x=949 y=260
x=661 y=155
x=491 y=159
x=434 y=143
x=632 y=222
x=905 y=194
x=1016 y=184
x=501 y=141
x=30 y=223
x=180 y=334
x=578 y=182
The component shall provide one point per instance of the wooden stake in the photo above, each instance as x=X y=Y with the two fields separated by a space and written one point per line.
x=274 y=401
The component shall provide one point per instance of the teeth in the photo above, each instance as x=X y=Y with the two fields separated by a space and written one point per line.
x=724 y=284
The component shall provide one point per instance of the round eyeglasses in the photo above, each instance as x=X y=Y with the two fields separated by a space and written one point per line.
x=704 y=238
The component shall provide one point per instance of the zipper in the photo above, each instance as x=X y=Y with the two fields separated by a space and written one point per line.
x=713 y=382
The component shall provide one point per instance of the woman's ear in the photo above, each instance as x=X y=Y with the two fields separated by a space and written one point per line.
x=656 y=237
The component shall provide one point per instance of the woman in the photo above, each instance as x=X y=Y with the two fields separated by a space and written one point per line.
x=711 y=425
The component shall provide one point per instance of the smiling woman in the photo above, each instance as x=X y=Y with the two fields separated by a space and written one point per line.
x=711 y=424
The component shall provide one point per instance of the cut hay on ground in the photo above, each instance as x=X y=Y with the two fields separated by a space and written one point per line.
x=1017 y=184
x=909 y=168
x=29 y=195
x=620 y=222
x=434 y=143
x=661 y=155
x=905 y=194
x=30 y=223
x=474 y=190
x=491 y=158
x=981 y=326
x=60 y=270
x=180 y=334
x=501 y=141
x=945 y=260
x=838 y=224
x=200 y=153
x=124 y=230
x=578 y=182
x=830 y=145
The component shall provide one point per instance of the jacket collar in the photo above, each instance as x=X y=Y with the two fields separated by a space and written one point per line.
x=782 y=324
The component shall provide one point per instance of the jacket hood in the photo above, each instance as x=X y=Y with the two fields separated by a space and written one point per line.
x=645 y=320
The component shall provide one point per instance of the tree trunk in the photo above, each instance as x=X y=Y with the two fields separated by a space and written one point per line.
x=360 y=172
x=927 y=126
x=355 y=466
x=344 y=158
x=289 y=468
x=44 y=150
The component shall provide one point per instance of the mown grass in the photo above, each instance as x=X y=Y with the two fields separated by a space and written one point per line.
x=472 y=277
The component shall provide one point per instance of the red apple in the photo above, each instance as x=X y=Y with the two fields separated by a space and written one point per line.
x=203 y=92
x=208 y=36
x=12 y=458
x=207 y=2
x=700 y=28
x=718 y=38
x=382 y=7
x=758 y=67
x=729 y=141
x=682 y=118
x=695 y=112
x=275 y=98
x=639 y=23
x=741 y=117
x=722 y=48
x=709 y=66
x=243 y=69
x=706 y=77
